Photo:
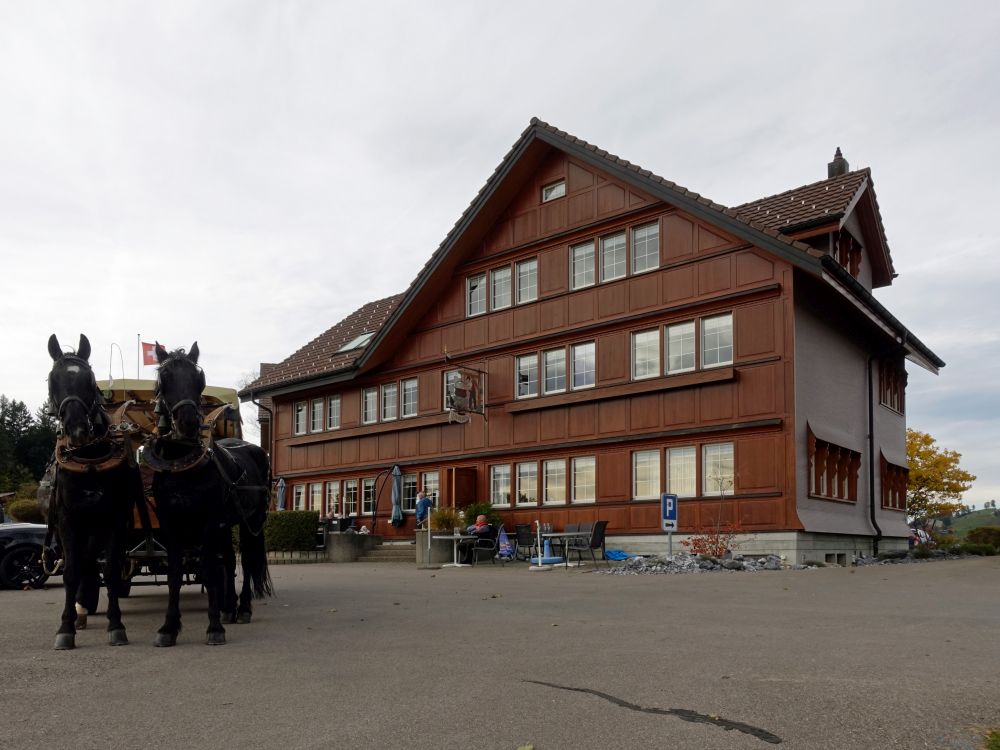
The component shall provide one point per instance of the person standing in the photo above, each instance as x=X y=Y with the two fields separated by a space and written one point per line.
x=424 y=505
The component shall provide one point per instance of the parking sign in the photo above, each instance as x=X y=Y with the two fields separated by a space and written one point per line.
x=668 y=511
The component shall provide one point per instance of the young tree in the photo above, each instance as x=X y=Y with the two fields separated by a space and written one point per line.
x=936 y=480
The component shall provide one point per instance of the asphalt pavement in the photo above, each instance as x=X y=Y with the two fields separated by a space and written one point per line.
x=389 y=656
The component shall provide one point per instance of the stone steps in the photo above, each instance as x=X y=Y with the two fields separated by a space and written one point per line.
x=394 y=553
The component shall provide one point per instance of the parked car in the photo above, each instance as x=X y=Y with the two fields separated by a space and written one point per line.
x=21 y=555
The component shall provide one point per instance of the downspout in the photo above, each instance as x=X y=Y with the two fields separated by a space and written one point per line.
x=871 y=459
x=270 y=447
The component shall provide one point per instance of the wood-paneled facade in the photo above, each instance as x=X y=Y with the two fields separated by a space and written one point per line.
x=637 y=425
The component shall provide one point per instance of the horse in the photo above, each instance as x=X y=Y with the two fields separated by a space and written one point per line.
x=96 y=486
x=203 y=487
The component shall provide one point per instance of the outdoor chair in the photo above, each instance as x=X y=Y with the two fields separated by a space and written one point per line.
x=525 y=541
x=594 y=541
x=488 y=545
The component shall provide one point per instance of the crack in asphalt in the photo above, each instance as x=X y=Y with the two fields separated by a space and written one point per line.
x=681 y=713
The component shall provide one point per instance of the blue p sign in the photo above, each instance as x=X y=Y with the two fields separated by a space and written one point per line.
x=668 y=511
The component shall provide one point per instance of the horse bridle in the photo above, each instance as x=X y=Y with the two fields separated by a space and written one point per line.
x=89 y=409
x=171 y=411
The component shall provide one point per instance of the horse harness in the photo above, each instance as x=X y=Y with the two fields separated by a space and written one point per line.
x=117 y=447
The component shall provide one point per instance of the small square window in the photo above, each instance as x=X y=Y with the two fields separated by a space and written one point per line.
x=553 y=191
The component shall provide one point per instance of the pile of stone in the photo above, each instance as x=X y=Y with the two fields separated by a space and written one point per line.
x=685 y=563
x=904 y=557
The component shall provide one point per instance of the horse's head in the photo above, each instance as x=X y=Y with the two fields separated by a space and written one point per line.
x=179 y=383
x=73 y=392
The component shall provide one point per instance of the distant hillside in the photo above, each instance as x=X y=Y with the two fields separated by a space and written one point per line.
x=962 y=526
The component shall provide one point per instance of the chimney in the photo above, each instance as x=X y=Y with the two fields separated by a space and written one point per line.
x=838 y=166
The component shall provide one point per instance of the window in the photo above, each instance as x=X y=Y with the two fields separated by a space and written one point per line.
x=833 y=470
x=646 y=247
x=645 y=354
x=369 y=405
x=584 y=479
x=429 y=481
x=475 y=294
x=316 y=416
x=679 y=342
x=299 y=497
x=717 y=469
x=500 y=485
x=367 y=497
x=892 y=385
x=555 y=482
x=316 y=497
x=584 y=365
x=389 y=393
x=717 y=340
x=333 y=413
x=450 y=377
x=681 y=473
x=527 y=375
x=357 y=342
x=527 y=281
x=527 y=484
x=893 y=484
x=613 y=257
x=350 y=497
x=410 y=397
x=409 y=493
x=645 y=475
x=299 y=418
x=501 y=287
x=555 y=370
x=581 y=265
x=333 y=497
x=553 y=191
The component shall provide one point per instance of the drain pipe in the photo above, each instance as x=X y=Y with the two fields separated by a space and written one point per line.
x=871 y=459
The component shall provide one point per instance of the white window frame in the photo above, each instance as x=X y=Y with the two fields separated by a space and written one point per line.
x=527 y=283
x=479 y=280
x=447 y=376
x=527 y=473
x=316 y=415
x=500 y=487
x=544 y=374
x=553 y=191
x=430 y=483
x=620 y=251
x=547 y=476
x=580 y=254
x=368 y=495
x=350 y=497
x=575 y=498
x=299 y=418
x=506 y=298
x=718 y=456
x=408 y=501
x=532 y=392
x=389 y=414
x=691 y=339
x=365 y=393
x=647 y=460
x=689 y=456
x=574 y=365
x=410 y=401
x=634 y=256
x=333 y=496
x=333 y=414
x=651 y=366
x=316 y=497
x=299 y=497
x=720 y=348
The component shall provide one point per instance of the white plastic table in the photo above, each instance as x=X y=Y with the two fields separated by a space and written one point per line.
x=455 y=539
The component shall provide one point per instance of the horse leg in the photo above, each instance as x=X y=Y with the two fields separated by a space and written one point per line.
x=167 y=634
x=214 y=573
x=89 y=591
x=115 y=559
x=229 y=613
x=73 y=551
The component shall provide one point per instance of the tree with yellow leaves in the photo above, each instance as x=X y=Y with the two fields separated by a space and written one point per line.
x=936 y=480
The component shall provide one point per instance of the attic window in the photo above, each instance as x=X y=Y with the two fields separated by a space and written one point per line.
x=357 y=342
x=553 y=191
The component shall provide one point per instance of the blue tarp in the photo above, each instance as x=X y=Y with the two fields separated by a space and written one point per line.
x=617 y=554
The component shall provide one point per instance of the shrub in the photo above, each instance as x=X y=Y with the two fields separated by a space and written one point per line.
x=714 y=540
x=484 y=509
x=291 y=530
x=985 y=535
x=969 y=548
x=922 y=551
x=26 y=511
x=444 y=518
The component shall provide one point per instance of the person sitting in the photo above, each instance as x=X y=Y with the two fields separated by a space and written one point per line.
x=481 y=529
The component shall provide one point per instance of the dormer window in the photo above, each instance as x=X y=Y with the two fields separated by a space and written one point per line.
x=357 y=342
x=553 y=191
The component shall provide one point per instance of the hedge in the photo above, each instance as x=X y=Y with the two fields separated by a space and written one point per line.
x=985 y=535
x=26 y=511
x=291 y=530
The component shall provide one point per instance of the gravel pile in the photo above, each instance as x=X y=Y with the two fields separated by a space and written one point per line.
x=905 y=558
x=685 y=563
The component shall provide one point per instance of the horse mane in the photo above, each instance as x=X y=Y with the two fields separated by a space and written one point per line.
x=178 y=352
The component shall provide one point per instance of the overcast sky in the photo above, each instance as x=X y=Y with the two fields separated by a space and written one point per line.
x=246 y=174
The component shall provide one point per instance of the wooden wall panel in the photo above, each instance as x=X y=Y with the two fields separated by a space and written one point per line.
x=453 y=338
x=581 y=307
x=552 y=273
x=452 y=305
x=582 y=420
x=610 y=199
x=315 y=455
x=678 y=285
x=525 y=428
x=553 y=216
x=500 y=379
x=368 y=449
x=753 y=269
x=525 y=227
x=679 y=407
x=581 y=208
x=552 y=424
x=762 y=513
x=611 y=417
x=715 y=402
x=755 y=329
x=350 y=408
x=388 y=446
x=299 y=457
x=349 y=450
x=331 y=453
x=284 y=419
x=474 y=434
x=617 y=518
x=409 y=443
x=552 y=314
x=643 y=291
x=613 y=476
x=714 y=275
x=500 y=327
x=429 y=392
x=451 y=436
x=525 y=320
x=644 y=411
x=430 y=343
x=758 y=459
x=501 y=427
x=475 y=333
x=430 y=441
x=611 y=299
x=709 y=240
x=678 y=239
x=758 y=390
x=499 y=239
x=644 y=517
x=613 y=358
x=578 y=178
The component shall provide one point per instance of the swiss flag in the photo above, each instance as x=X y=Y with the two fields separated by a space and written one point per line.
x=149 y=354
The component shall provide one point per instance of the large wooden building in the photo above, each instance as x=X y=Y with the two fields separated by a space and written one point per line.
x=633 y=338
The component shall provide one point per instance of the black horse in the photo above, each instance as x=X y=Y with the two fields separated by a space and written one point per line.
x=96 y=487
x=203 y=487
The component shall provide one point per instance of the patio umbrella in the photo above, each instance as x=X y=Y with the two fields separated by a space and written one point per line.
x=281 y=493
x=397 y=497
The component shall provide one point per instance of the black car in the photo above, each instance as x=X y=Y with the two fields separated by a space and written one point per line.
x=21 y=555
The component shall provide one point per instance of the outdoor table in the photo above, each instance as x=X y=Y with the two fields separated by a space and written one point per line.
x=564 y=537
x=455 y=539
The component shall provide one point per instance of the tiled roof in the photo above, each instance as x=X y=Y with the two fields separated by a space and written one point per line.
x=826 y=199
x=321 y=356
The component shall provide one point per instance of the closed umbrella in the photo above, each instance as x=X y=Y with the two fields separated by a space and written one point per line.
x=281 y=493
x=397 y=497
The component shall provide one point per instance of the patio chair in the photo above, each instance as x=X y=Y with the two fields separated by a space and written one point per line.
x=487 y=545
x=525 y=540
x=595 y=541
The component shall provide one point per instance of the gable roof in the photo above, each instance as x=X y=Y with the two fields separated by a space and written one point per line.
x=821 y=202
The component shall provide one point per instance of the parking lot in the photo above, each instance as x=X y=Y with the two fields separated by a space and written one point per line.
x=385 y=656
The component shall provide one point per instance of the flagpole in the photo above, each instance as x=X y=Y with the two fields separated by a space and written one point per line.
x=138 y=353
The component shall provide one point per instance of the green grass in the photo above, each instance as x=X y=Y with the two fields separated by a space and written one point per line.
x=962 y=526
x=992 y=740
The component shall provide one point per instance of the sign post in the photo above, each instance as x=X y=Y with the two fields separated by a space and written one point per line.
x=668 y=514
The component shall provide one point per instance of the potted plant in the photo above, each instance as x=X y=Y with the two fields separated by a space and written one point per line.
x=445 y=519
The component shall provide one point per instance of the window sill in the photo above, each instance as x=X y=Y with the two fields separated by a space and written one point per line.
x=372 y=428
x=841 y=500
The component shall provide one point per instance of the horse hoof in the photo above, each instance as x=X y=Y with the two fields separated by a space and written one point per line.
x=163 y=640
x=117 y=637
x=81 y=618
x=216 y=639
x=65 y=641
x=228 y=618
x=244 y=618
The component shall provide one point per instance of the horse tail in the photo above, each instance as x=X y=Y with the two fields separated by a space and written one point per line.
x=253 y=553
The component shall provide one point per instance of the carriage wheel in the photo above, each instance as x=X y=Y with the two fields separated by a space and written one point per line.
x=22 y=567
